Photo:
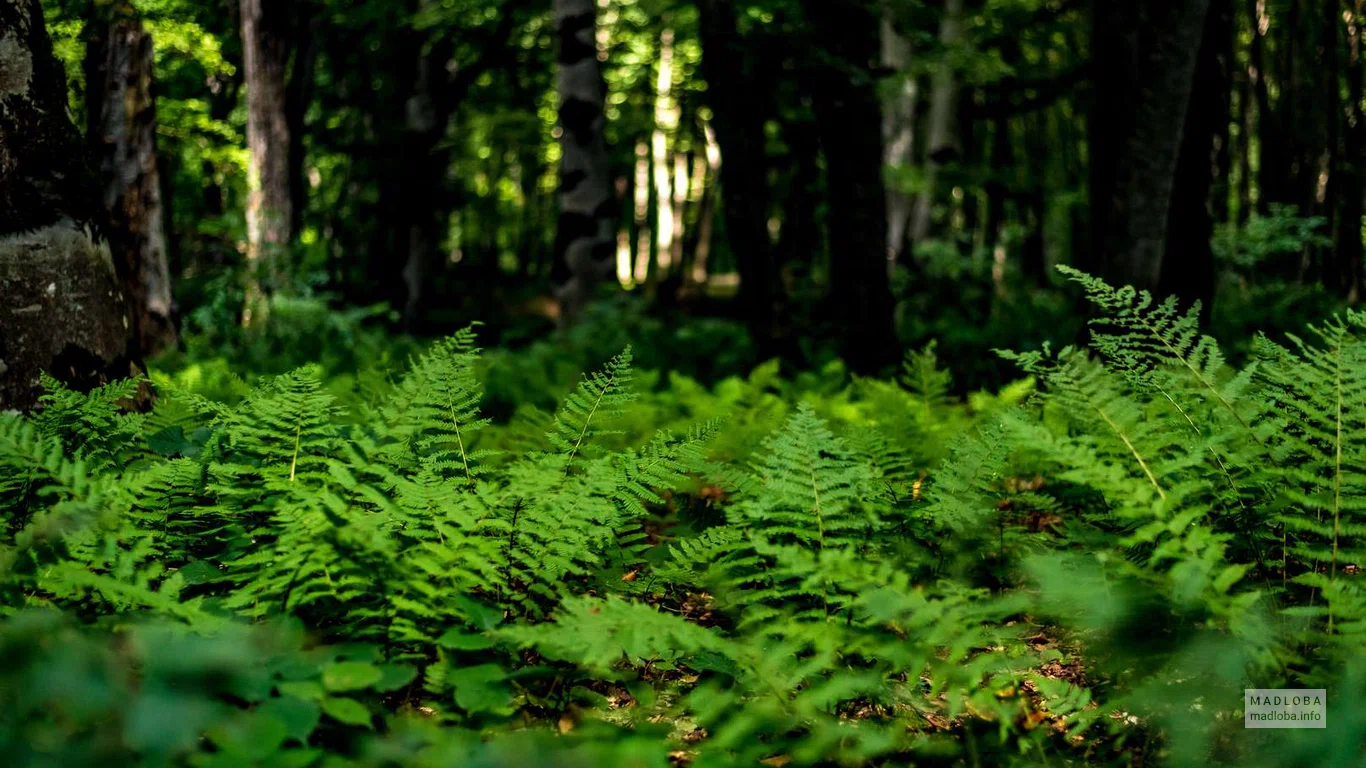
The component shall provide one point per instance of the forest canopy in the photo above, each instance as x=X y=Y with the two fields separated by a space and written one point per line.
x=680 y=382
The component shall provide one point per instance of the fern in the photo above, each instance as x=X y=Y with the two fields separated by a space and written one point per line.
x=599 y=396
x=433 y=412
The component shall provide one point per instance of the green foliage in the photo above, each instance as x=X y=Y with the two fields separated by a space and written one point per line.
x=825 y=571
x=1282 y=232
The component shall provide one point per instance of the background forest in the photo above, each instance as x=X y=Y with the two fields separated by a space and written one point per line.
x=764 y=163
x=680 y=382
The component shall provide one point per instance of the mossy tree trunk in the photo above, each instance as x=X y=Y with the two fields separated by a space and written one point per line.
x=62 y=309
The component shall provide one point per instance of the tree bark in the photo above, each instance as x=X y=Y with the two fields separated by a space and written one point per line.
x=849 y=117
x=1187 y=267
x=266 y=45
x=121 y=115
x=63 y=309
x=1268 y=132
x=585 y=237
x=898 y=135
x=1144 y=57
x=941 y=144
x=1347 y=278
x=738 y=119
x=422 y=189
x=298 y=95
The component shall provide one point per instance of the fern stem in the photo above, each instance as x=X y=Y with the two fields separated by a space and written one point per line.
x=1237 y=494
x=459 y=441
x=1137 y=456
x=294 y=460
x=602 y=392
x=1200 y=377
x=1337 y=482
x=820 y=533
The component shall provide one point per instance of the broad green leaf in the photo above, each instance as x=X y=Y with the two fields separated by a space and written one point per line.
x=350 y=676
x=347 y=711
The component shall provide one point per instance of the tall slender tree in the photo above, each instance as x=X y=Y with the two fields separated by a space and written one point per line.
x=585 y=241
x=1345 y=272
x=64 y=310
x=849 y=116
x=121 y=128
x=898 y=132
x=1187 y=268
x=942 y=143
x=735 y=95
x=267 y=42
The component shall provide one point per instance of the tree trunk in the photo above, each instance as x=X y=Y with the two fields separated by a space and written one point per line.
x=298 y=95
x=1268 y=130
x=422 y=189
x=585 y=238
x=1187 y=268
x=266 y=46
x=1221 y=64
x=738 y=119
x=941 y=145
x=1352 y=176
x=63 y=310
x=898 y=135
x=849 y=117
x=1144 y=58
x=121 y=112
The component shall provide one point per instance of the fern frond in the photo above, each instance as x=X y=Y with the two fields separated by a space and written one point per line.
x=601 y=395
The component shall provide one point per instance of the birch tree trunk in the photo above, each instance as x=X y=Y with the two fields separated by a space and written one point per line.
x=121 y=112
x=585 y=238
x=61 y=307
x=266 y=26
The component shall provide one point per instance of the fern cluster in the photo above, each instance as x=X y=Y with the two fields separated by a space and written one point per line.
x=807 y=573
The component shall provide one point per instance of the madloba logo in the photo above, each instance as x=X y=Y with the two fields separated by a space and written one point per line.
x=1285 y=708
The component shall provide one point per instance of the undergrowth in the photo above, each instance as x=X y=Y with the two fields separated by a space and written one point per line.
x=1086 y=567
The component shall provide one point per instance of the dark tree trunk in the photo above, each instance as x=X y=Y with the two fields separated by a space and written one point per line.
x=1269 y=163
x=1187 y=266
x=64 y=310
x=422 y=188
x=738 y=117
x=267 y=27
x=1219 y=66
x=121 y=113
x=1247 y=125
x=298 y=95
x=585 y=237
x=1347 y=277
x=800 y=240
x=849 y=115
x=1144 y=58
x=1034 y=200
x=998 y=192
